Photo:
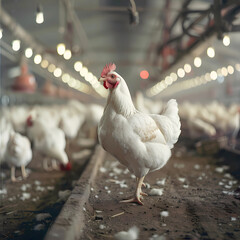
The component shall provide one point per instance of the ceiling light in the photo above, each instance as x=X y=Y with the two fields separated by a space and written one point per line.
x=211 y=52
x=213 y=75
x=144 y=74
x=168 y=80
x=57 y=72
x=230 y=69
x=44 y=63
x=173 y=76
x=37 y=59
x=67 y=54
x=65 y=77
x=83 y=71
x=51 y=68
x=226 y=40
x=89 y=77
x=39 y=15
x=28 y=52
x=237 y=66
x=224 y=71
x=1 y=33
x=78 y=66
x=16 y=45
x=61 y=48
x=197 y=62
x=180 y=73
x=187 y=68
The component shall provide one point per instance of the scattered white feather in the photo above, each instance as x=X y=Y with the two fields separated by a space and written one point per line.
x=220 y=183
x=185 y=186
x=101 y=226
x=131 y=234
x=96 y=196
x=161 y=182
x=3 y=191
x=25 y=196
x=24 y=187
x=156 y=192
x=91 y=189
x=63 y=195
x=106 y=188
x=102 y=169
x=126 y=171
x=200 y=178
x=157 y=237
x=227 y=186
x=39 y=227
x=228 y=193
x=133 y=176
x=197 y=167
x=50 y=188
x=121 y=193
x=179 y=165
x=147 y=185
x=43 y=216
x=109 y=191
x=117 y=170
x=164 y=213
x=233 y=219
x=37 y=183
x=181 y=179
x=228 y=175
x=40 y=188
x=84 y=209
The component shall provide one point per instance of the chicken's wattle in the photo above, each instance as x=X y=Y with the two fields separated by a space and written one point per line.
x=66 y=167
x=108 y=84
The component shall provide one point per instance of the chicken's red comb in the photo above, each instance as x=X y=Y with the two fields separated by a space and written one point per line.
x=108 y=68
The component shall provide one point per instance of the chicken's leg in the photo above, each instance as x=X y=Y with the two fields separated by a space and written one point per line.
x=13 y=178
x=24 y=174
x=138 y=193
x=45 y=165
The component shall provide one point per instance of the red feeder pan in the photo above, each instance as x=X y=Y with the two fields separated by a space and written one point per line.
x=25 y=82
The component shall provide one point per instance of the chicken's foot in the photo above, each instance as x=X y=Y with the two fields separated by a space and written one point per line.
x=13 y=178
x=138 y=194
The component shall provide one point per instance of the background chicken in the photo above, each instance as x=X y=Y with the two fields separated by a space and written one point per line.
x=49 y=141
x=18 y=153
x=142 y=142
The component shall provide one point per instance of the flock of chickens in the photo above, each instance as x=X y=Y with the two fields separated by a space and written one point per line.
x=200 y=120
x=44 y=129
x=140 y=137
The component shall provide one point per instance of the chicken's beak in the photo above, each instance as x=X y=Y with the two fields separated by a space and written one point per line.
x=101 y=79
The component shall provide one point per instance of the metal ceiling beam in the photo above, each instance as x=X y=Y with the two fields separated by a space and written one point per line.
x=79 y=30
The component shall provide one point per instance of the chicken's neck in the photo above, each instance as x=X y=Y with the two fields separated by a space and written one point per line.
x=120 y=100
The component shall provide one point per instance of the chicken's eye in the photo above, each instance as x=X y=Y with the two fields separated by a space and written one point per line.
x=112 y=76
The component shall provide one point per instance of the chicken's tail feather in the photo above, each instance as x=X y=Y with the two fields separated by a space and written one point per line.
x=172 y=132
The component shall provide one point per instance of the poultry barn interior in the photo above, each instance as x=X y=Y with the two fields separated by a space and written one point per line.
x=74 y=143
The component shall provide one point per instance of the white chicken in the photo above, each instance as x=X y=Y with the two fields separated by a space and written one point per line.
x=18 y=153
x=5 y=131
x=142 y=142
x=49 y=141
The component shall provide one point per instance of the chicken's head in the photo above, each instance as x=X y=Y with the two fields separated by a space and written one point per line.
x=109 y=77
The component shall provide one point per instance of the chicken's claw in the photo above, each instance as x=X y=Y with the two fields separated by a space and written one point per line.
x=133 y=200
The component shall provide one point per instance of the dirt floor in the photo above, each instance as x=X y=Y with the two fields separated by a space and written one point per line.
x=23 y=203
x=199 y=199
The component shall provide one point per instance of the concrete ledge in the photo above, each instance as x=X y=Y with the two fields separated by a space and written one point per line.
x=70 y=222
